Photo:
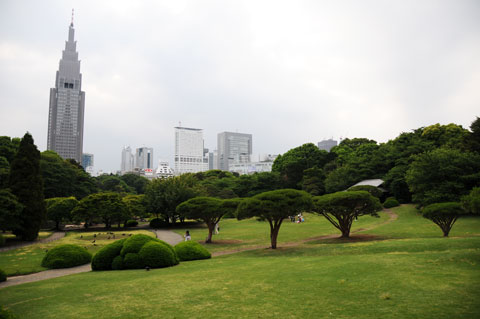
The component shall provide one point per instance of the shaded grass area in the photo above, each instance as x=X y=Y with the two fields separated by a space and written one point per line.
x=28 y=259
x=242 y=234
x=413 y=278
x=12 y=238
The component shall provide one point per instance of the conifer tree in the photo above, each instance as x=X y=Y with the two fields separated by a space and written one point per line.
x=27 y=185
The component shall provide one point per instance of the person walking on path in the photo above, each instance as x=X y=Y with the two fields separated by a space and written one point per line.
x=187 y=236
x=217 y=229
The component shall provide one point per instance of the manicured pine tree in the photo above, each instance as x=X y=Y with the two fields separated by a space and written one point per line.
x=26 y=183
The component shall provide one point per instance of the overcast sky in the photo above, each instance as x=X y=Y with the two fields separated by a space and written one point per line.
x=288 y=72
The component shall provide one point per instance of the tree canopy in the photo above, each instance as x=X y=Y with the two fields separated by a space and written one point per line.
x=443 y=175
x=207 y=209
x=342 y=208
x=444 y=214
x=59 y=209
x=27 y=185
x=274 y=207
x=293 y=163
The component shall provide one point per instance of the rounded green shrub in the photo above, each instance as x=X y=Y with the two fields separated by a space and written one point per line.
x=132 y=261
x=66 y=256
x=170 y=247
x=134 y=243
x=6 y=314
x=391 y=202
x=117 y=263
x=131 y=223
x=157 y=223
x=157 y=255
x=104 y=257
x=191 y=250
x=2 y=240
x=3 y=276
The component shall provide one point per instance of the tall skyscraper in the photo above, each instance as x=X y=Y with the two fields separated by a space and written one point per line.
x=67 y=105
x=144 y=158
x=233 y=148
x=327 y=145
x=189 y=151
x=127 y=164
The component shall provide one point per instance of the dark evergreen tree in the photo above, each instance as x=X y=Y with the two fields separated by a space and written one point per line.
x=27 y=185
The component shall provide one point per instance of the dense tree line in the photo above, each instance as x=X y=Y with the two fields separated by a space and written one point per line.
x=434 y=164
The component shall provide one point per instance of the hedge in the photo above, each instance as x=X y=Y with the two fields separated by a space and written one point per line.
x=157 y=255
x=391 y=202
x=135 y=252
x=104 y=257
x=191 y=250
x=134 y=243
x=131 y=223
x=66 y=256
x=3 y=276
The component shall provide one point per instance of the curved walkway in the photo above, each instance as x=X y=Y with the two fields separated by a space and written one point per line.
x=173 y=239
x=168 y=236
x=55 y=236
x=165 y=235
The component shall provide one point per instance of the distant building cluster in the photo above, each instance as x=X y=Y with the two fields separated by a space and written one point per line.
x=66 y=122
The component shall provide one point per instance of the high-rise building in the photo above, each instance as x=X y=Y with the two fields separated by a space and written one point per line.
x=127 y=164
x=327 y=145
x=144 y=158
x=87 y=160
x=67 y=105
x=233 y=148
x=189 y=151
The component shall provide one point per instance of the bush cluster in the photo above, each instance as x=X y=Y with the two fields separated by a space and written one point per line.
x=131 y=223
x=157 y=223
x=66 y=256
x=3 y=276
x=191 y=250
x=391 y=202
x=135 y=252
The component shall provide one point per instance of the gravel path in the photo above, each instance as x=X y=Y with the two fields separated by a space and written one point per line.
x=165 y=235
x=168 y=236
x=55 y=236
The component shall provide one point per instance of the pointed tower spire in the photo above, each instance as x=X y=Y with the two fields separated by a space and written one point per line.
x=71 y=23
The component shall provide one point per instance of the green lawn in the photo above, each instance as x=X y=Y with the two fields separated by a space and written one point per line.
x=242 y=234
x=402 y=269
x=27 y=260
x=413 y=278
x=410 y=224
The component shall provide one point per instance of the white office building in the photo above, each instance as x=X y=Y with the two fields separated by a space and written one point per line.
x=189 y=151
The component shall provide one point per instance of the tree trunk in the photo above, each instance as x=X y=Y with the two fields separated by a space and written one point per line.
x=345 y=232
x=210 y=233
x=57 y=225
x=445 y=232
x=273 y=237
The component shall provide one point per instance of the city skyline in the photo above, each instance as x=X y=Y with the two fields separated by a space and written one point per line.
x=288 y=73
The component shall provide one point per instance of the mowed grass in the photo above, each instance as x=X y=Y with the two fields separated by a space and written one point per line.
x=238 y=235
x=411 y=278
x=400 y=269
x=410 y=223
x=28 y=259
